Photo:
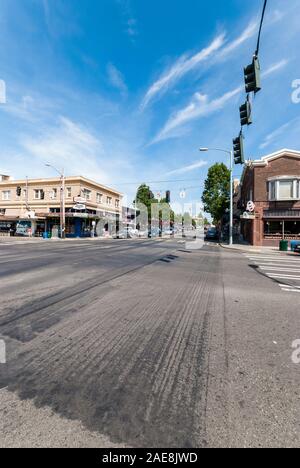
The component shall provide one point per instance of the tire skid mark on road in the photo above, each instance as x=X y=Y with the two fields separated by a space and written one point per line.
x=69 y=294
x=101 y=364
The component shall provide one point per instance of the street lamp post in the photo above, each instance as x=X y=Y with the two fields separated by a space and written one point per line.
x=231 y=187
x=62 y=201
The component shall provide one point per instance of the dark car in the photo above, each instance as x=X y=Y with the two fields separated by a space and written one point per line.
x=212 y=234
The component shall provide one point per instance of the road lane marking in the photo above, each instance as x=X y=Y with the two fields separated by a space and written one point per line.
x=297 y=278
x=291 y=290
x=292 y=270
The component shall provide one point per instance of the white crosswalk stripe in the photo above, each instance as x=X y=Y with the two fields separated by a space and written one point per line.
x=281 y=267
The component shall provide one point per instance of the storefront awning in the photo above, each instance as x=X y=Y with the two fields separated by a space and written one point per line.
x=281 y=214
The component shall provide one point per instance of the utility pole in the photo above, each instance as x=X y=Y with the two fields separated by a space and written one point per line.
x=231 y=199
x=63 y=209
x=62 y=201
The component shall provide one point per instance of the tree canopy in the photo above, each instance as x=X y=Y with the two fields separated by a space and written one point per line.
x=216 y=194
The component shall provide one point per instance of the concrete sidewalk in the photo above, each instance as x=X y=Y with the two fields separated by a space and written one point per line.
x=255 y=249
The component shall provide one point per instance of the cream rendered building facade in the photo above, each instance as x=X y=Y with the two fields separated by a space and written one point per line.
x=32 y=206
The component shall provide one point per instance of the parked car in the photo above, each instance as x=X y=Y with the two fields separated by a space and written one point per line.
x=154 y=233
x=124 y=234
x=142 y=233
x=212 y=234
x=297 y=249
x=168 y=232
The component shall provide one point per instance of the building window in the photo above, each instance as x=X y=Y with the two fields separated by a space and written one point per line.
x=284 y=189
x=54 y=194
x=2 y=211
x=87 y=194
x=117 y=203
x=272 y=190
x=69 y=192
x=99 y=198
x=38 y=194
x=109 y=201
x=6 y=195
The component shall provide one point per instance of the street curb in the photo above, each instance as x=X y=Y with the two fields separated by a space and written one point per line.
x=238 y=250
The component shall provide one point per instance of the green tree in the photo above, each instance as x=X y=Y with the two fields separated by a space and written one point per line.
x=216 y=194
x=144 y=196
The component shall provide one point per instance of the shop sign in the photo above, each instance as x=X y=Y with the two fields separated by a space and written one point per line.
x=80 y=215
x=79 y=207
x=80 y=200
x=250 y=206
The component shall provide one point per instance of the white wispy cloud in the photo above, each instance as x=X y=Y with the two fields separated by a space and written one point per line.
x=186 y=64
x=116 y=79
x=132 y=27
x=68 y=145
x=190 y=168
x=276 y=134
x=2 y=92
x=249 y=32
x=201 y=106
x=181 y=67
x=275 y=67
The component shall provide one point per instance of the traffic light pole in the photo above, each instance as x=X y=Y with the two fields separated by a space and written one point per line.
x=62 y=201
x=231 y=200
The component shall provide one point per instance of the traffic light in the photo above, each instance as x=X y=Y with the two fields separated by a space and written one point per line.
x=168 y=196
x=238 y=150
x=245 y=114
x=252 y=76
x=19 y=191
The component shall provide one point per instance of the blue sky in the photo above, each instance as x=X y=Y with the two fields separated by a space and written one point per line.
x=128 y=90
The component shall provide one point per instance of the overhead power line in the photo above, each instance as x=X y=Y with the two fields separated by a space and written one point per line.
x=160 y=181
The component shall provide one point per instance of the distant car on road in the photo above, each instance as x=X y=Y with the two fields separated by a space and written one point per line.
x=212 y=234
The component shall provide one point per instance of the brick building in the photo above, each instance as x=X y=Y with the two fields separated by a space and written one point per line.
x=273 y=184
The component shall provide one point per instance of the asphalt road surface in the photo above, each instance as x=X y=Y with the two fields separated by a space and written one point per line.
x=145 y=344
